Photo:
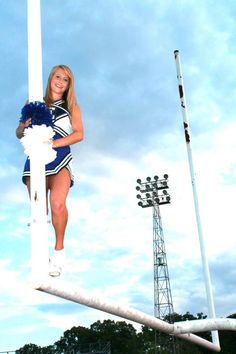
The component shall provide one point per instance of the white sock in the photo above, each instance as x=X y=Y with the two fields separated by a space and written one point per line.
x=59 y=256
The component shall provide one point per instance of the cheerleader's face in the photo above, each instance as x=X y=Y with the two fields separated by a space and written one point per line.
x=59 y=83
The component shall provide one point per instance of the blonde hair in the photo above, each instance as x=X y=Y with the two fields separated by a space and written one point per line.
x=69 y=94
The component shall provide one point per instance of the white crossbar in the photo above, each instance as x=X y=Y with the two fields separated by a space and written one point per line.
x=70 y=292
x=203 y=325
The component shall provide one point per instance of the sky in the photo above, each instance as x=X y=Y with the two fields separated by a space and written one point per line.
x=121 y=54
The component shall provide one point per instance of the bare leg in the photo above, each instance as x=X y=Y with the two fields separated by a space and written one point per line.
x=59 y=187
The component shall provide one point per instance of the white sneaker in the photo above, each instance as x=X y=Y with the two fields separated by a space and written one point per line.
x=54 y=269
x=56 y=263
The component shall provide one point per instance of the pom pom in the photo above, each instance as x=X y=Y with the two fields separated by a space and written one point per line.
x=38 y=112
x=36 y=142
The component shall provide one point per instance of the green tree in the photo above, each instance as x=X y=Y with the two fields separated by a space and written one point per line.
x=121 y=335
x=29 y=349
x=34 y=349
x=146 y=340
x=73 y=339
x=124 y=339
x=228 y=340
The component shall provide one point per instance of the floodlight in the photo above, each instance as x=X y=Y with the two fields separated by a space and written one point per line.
x=150 y=188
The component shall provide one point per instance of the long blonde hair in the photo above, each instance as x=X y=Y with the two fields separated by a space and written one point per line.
x=69 y=94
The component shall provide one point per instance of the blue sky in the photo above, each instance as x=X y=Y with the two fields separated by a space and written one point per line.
x=121 y=53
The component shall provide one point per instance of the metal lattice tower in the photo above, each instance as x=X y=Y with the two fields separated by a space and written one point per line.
x=153 y=194
x=163 y=305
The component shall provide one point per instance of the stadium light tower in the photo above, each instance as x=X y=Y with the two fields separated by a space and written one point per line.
x=153 y=193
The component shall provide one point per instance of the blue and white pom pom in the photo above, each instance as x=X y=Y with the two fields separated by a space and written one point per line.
x=38 y=112
x=37 y=137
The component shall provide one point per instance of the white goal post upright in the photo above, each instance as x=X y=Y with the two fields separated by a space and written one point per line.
x=209 y=292
x=38 y=223
x=35 y=72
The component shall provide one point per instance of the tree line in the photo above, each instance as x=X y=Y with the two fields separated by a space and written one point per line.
x=122 y=338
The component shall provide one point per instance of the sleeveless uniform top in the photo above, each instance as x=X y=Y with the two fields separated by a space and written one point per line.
x=62 y=128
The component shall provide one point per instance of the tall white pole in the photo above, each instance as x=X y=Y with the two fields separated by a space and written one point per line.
x=39 y=229
x=35 y=79
x=211 y=307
